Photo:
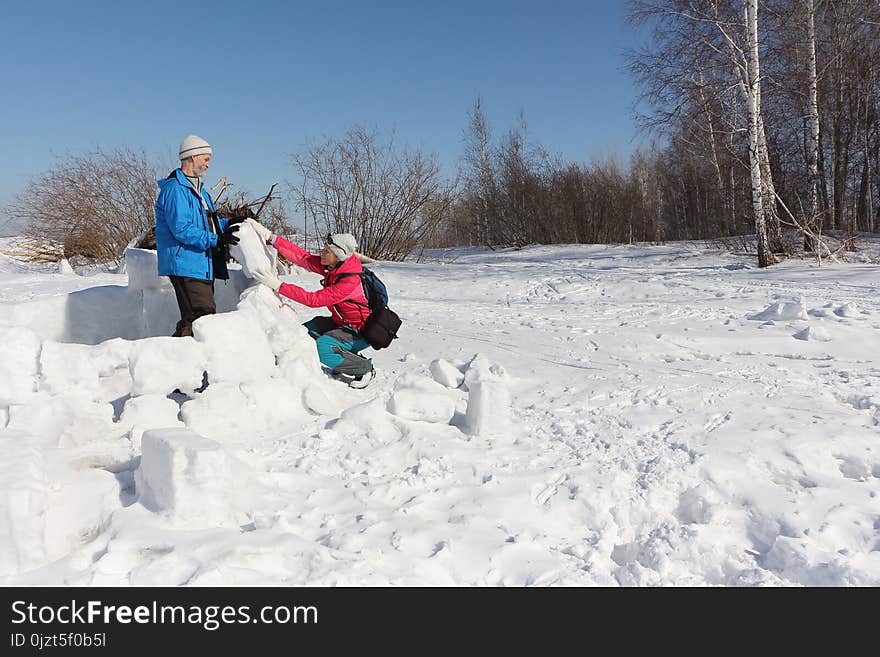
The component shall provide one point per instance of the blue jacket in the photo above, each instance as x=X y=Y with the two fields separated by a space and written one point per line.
x=184 y=239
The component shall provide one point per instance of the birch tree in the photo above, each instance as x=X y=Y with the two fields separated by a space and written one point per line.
x=753 y=84
x=812 y=219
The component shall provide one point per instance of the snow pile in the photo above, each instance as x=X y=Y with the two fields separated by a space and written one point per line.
x=782 y=311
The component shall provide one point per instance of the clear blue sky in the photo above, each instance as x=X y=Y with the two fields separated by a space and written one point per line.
x=259 y=80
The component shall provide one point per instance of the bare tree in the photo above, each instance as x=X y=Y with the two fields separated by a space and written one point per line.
x=392 y=199
x=90 y=206
x=753 y=72
x=479 y=180
x=812 y=219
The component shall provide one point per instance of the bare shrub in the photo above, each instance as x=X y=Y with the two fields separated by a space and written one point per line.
x=92 y=205
x=392 y=199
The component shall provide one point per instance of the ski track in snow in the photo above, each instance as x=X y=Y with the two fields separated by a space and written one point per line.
x=659 y=437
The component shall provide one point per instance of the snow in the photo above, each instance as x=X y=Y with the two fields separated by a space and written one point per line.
x=23 y=502
x=236 y=347
x=19 y=360
x=782 y=311
x=445 y=373
x=187 y=478
x=420 y=398
x=251 y=252
x=148 y=411
x=567 y=415
x=163 y=364
x=488 y=408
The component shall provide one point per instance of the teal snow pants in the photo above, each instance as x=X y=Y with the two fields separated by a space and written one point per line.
x=338 y=347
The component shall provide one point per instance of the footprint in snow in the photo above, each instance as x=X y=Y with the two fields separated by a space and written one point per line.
x=541 y=493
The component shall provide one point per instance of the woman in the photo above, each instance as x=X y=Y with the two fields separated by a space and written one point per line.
x=337 y=337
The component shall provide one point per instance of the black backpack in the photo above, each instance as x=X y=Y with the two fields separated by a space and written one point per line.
x=383 y=323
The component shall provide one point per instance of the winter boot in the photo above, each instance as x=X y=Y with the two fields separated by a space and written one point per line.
x=363 y=380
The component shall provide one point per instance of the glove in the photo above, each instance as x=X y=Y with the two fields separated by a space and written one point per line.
x=264 y=233
x=269 y=279
x=228 y=237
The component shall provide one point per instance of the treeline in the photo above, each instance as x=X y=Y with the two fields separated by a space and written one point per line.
x=766 y=109
x=779 y=98
x=512 y=192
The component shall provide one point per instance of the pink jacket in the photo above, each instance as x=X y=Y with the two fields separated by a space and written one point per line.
x=338 y=295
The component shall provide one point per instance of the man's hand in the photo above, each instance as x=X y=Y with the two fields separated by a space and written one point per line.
x=264 y=233
x=268 y=279
x=228 y=237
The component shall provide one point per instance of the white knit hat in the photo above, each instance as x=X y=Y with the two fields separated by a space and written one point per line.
x=342 y=244
x=193 y=145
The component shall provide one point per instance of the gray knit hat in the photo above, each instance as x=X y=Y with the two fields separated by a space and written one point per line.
x=193 y=145
x=342 y=244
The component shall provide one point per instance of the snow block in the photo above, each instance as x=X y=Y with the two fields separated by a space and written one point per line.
x=227 y=293
x=488 y=408
x=813 y=333
x=64 y=420
x=159 y=311
x=79 y=508
x=142 y=266
x=421 y=399
x=233 y=414
x=23 y=503
x=187 y=477
x=480 y=368
x=236 y=347
x=159 y=365
x=847 y=310
x=288 y=338
x=445 y=373
x=69 y=368
x=148 y=412
x=111 y=356
x=251 y=253
x=19 y=359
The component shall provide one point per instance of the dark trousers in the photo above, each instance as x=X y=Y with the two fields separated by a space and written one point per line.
x=195 y=298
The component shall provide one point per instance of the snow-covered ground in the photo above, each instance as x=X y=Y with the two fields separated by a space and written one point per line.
x=582 y=415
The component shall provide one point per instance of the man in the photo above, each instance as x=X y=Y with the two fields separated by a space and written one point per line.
x=337 y=337
x=191 y=241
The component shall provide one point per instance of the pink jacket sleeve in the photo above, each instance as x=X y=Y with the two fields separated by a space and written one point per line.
x=298 y=255
x=328 y=296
